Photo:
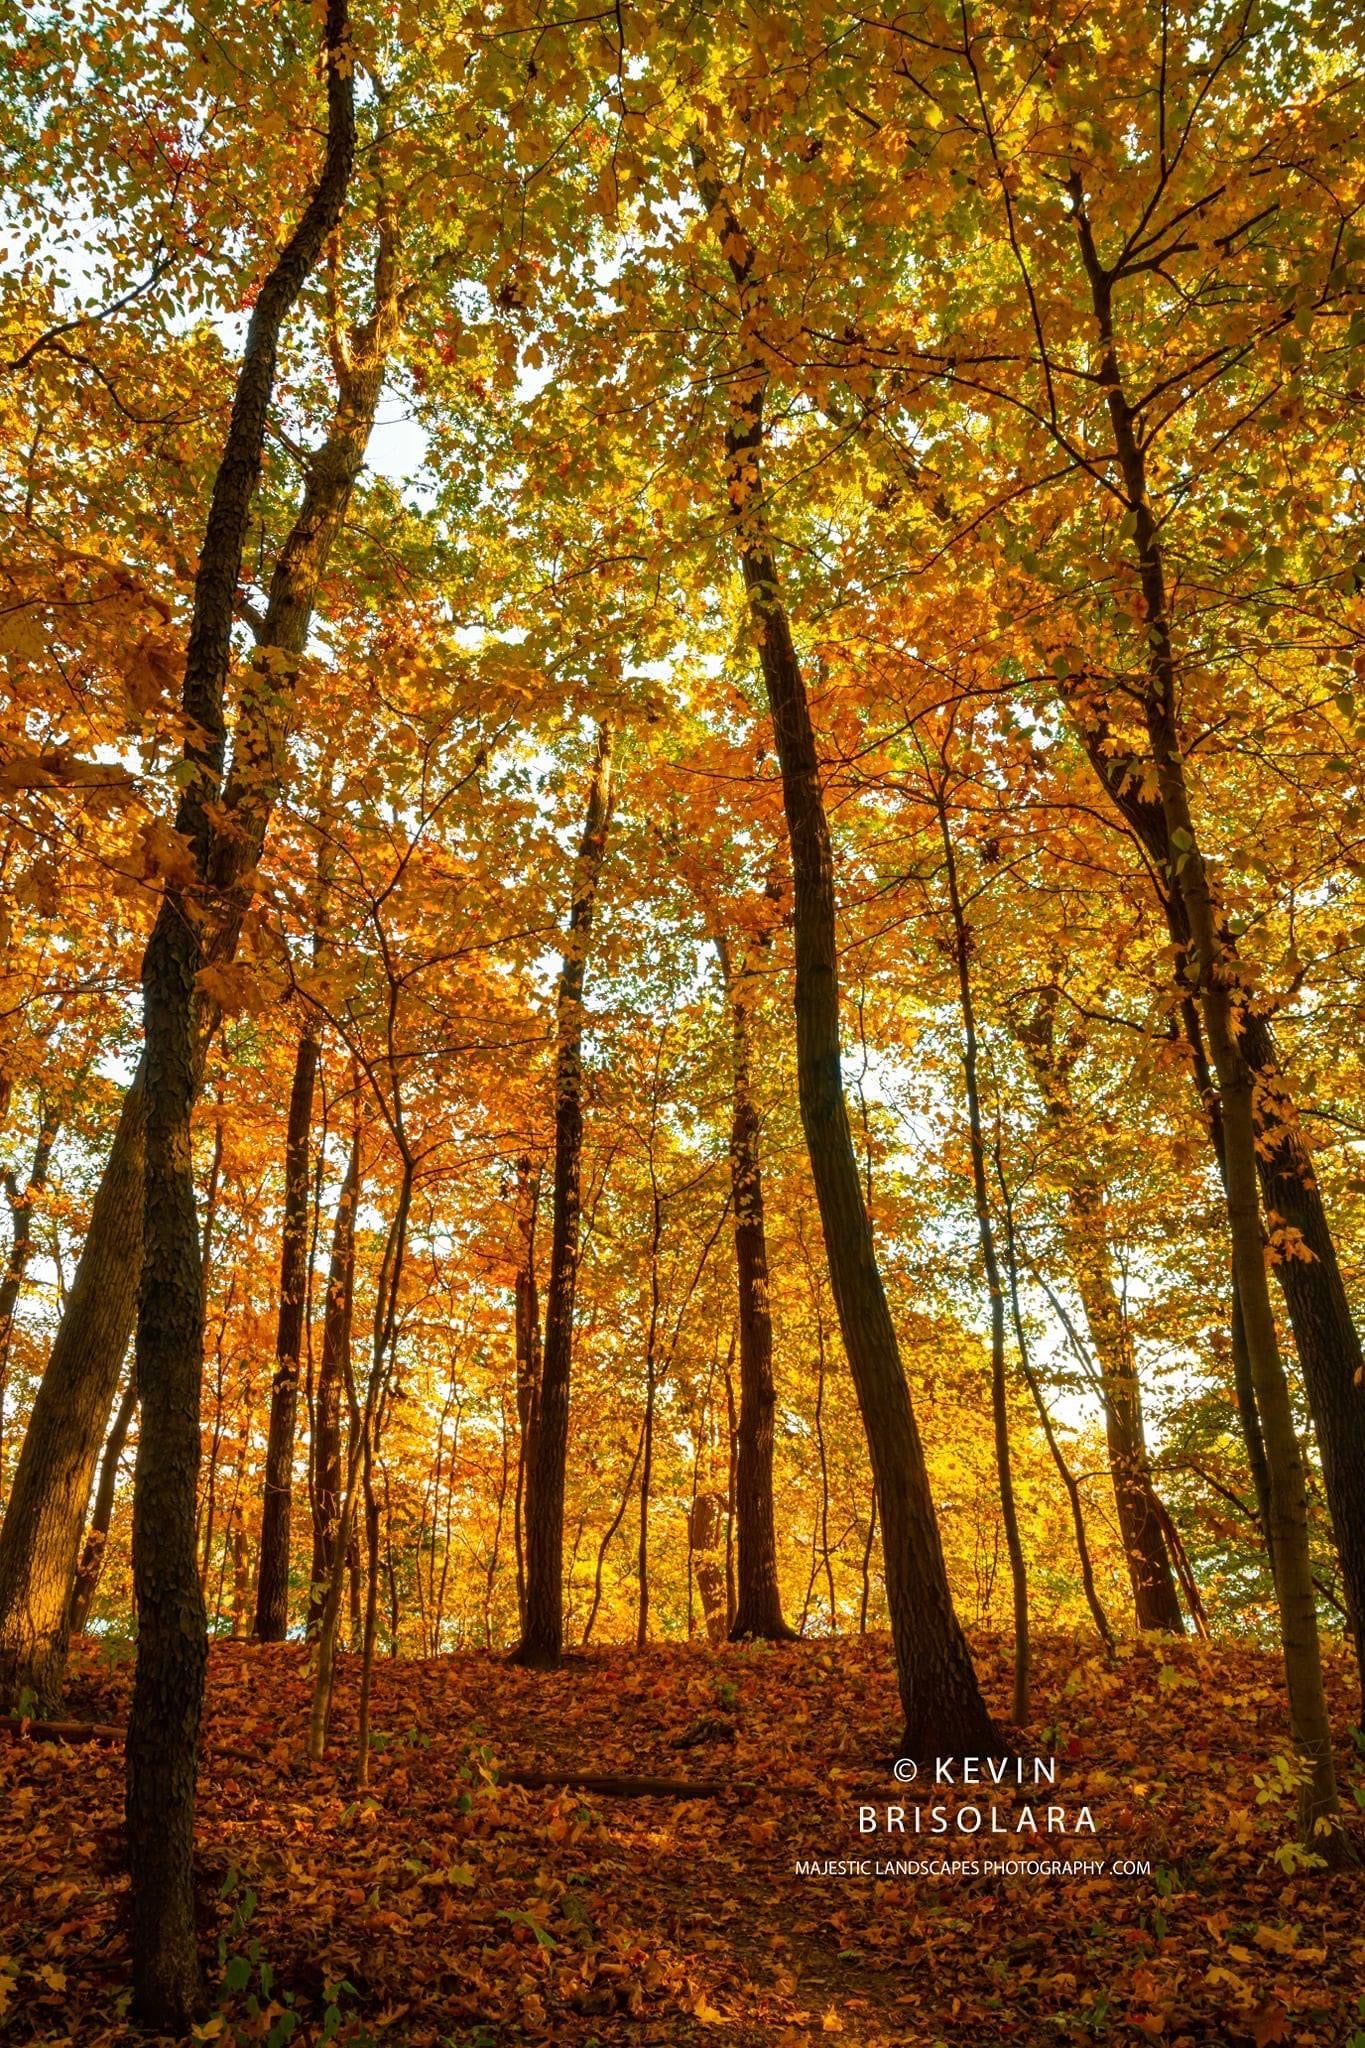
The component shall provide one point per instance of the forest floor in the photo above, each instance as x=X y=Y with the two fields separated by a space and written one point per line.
x=440 y=1909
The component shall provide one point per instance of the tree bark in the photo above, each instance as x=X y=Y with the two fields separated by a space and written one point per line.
x=542 y=1637
x=41 y=1533
x=172 y=1644
x=331 y=1390
x=944 y=1711
x=758 y=1605
x=92 y=1554
x=1213 y=979
x=272 y=1563
x=1155 y=1598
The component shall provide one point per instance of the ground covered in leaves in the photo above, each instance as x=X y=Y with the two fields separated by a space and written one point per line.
x=441 y=1907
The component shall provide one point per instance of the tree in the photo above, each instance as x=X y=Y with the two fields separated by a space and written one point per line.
x=542 y=1638
x=163 y=1725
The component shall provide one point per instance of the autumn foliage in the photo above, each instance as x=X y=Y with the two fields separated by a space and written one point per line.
x=680 y=1013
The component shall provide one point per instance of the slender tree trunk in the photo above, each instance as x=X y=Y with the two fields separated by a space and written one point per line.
x=333 y=1372
x=20 y=1248
x=1085 y=1235
x=272 y=1564
x=985 y=1228
x=163 y=1724
x=944 y=1711
x=865 y=1599
x=358 y=1452
x=1213 y=979
x=92 y=1554
x=609 y=1536
x=542 y=1638
x=1064 y=1472
x=239 y=1551
x=731 y=1486
x=41 y=1533
x=651 y=1387
x=1325 y=1334
x=758 y=1611
x=527 y=1340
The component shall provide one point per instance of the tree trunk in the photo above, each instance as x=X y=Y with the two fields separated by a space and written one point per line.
x=985 y=1227
x=944 y=1711
x=41 y=1533
x=651 y=1389
x=272 y=1564
x=172 y=1645
x=331 y=1388
x=359 y=1452
x=1325 y=1335
x=705 y=1528
x=1213 y=980
x=526 y=1337
x=1084 y=1233
x=92 y=1554
x=542 y=1638
x=1064 y=1472
x=758 y=1608
x=45 y=1513
x=20 y=1248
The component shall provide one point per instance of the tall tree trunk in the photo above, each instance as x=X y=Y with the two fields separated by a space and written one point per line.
x=1085 y=1235
x=526 y=1337
x=331 y=1390
x=359 y=1453
x=542 y=1636
x=172 y=1645
x=272 y=1563
x=985 y=1228
x=92 y=1553
x=1213 y=980
x=1064 y=1472
x=758 y=1607
x=656 y=1227
x=1325 y=1335
x=944 y=1711
x=41 y=1533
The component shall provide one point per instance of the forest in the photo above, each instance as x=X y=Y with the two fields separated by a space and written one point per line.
x=682 y=876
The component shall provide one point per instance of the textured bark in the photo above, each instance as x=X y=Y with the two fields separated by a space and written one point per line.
x=272 y=1563
x=542 y=1637
x=758 y=1602
x=333 y=1373
x=1325 y=1335
x=172 y=1644
x=92 y=1552
x=1212 y=976
x=40 y=1538
x=42 y=1527
x=944 y=1711
x=1084 y=1232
